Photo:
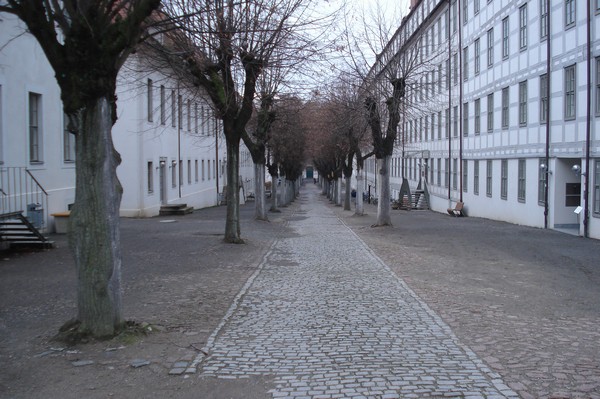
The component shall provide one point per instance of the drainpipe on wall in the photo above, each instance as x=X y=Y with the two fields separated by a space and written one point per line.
x=448 y=117
x=180 y=117
x=460 y=104
x=588 y=129
x=217 y=155
x=548 y=91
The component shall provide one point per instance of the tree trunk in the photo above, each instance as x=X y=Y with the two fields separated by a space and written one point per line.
x=347 y=195
x=360 y=207
x=260 y=206
x=383 y=203
x=232 y=222
x=338 y=197
x=324 y=187
x=94 y=224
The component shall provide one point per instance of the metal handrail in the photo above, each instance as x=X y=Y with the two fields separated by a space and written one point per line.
x=20 y=188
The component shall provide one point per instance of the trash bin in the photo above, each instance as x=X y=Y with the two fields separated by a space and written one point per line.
x=35 y=214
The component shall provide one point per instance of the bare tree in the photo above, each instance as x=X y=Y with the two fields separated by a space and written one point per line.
x=228 y=45
x=86 y=44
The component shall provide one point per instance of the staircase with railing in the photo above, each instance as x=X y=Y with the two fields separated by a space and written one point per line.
x=23 y=207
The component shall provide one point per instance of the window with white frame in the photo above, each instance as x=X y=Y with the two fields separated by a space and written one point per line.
x=505 y=105
x=543 y=19
x=596 y=206
x=150 y=100
x=490 y=112
x=521 y=189
x=542 y=179
x=163 y=112
x=68 y=141
x=455 y=68
x=189 y=171
x=465 y=124
x=455 y=174
x=447 y=122
x=465 y=175
x=439 y=118
x=439 y=171
x=476 y=177
x=505 y=37
x=454 y=16
x=570 y=82
x=570 y=13
x=477 y=56
x=180 y=172
x=523 y=27
x=523 y=103
x=476 y=7
x=150 y=176
x=488 y=178
x=490 y=48
x=597 y=85
x=35 y=129
x=196 y=170
x=455 y=120
x=477 y=128
x=173 y=109
x=203 y=171
x=173 y=173
x=543 y=98
x=447 y=173
x=504 y=179
x=466 y=63
x=465 y=15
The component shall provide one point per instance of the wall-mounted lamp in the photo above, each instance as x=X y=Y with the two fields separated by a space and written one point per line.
x=577 y=170
x=544 y=168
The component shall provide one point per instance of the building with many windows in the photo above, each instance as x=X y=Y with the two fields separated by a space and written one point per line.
x=171 y=145
x=503 y=112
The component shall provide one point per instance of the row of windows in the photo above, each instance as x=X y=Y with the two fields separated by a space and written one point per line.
x=184 y=112
x=418 y=129
x=36 y=136
x=205 y=172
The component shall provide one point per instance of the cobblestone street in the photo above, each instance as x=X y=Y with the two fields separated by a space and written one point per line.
x=329 y=319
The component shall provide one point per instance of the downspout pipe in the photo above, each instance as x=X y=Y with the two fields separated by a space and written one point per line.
x=460 y=103
x=548 y=91
x=588 y=128
x=449 y=116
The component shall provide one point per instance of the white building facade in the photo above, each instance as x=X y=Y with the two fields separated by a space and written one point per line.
x=172 y=147
x=503 y=113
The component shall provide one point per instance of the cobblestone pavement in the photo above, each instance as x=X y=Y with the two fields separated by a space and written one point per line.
x=329 y=319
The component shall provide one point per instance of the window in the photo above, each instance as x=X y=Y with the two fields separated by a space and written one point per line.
x=543 y=19
x=465 y=175
x=505 y=104
x=477 y=57
x=208 y=168
x=543 y=98
x=569 y=13
x=431 y=172
x=504 y=179
x=196 y=118
x=439 y=171
x=523 y=27
x=439 y=125
x=196 y=170
x=163 y=112
x=180 y=111
x=488 y=178
x=35 y=133
x=447 y=173
x=523 y=103
x=598 y=85
x=570 y=92
x=173 y=173
x=542 y=175
x=596 y=205
x=490 y=112
x=426 y=128
x=455 y=69
x=214 y=169
x=476 y=7
x=522 y=180
x=189 y=115
x=477 y=116
x=447 y=122
x=189 y=171
x=455 y=127
x=476 y=177
x=150 y=177
x=465 y=126
x=455 y=174
x=454 y=16
x=173 y=109
x=490 y=48
x=68 y=141
x=439 y=74
x=466 y=63
x=505 y=35
x=181 y=173
x=465 y=14
x=150 y=101
x=203 y=172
